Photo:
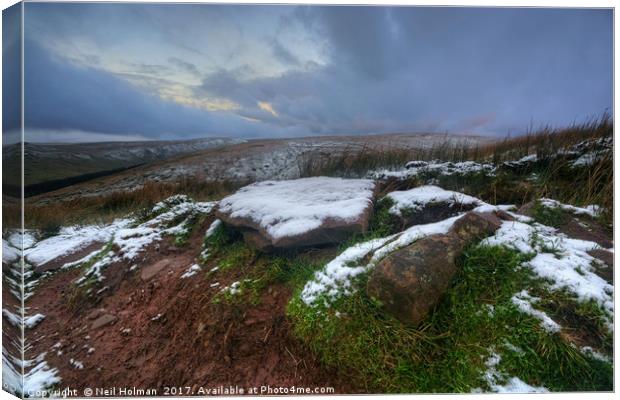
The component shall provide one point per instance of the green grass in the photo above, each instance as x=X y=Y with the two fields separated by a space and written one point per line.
x=446 y=353
x=255 y=270
x=551 y=216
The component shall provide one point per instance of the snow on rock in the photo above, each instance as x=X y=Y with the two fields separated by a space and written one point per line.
x=416 y=199
x=336 y=278
x=591 y=210
x=527 y=160
x=415 y=168
x=523 y=301
x=563 y=261
x=10 y=254
x=69 y=240
x=213 y=227
x=291 y=209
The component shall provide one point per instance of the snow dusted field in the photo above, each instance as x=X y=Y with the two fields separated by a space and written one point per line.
x=255 y=160
x=294 y=207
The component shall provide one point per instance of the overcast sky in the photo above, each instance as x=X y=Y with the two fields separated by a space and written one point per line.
x=160 y=71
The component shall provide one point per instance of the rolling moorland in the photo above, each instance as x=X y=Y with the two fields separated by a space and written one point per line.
x=315 y=262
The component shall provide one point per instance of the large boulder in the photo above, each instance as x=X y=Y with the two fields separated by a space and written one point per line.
x=299 y=212
x=411 y=281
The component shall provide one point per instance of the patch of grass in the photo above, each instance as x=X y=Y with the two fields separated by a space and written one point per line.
x=78 y=296
x=193 y=221
x=265 y=270
x=237 y=255
x=551 y=216
x=382 y=223
x=446 y=353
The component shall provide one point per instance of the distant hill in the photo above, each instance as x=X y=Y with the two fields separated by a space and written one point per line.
x=50 y=166
x=252 y=160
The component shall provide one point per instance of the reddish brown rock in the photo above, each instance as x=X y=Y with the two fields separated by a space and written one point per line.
x=149 y=272
x=411 y=281
x=103 y=321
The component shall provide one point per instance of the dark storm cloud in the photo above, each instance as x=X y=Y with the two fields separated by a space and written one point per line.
x=357 y=70
x=62 y=96
x=11 y=69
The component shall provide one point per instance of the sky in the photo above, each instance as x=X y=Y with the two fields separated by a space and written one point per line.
x=173 y=71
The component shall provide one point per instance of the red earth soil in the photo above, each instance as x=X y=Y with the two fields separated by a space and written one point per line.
x=169 y=333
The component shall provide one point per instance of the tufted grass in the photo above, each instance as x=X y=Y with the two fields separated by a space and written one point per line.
x=447 y=352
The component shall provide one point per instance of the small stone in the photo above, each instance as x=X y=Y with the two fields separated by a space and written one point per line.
x=103 y=321
x=149 y=272
x=95 y=313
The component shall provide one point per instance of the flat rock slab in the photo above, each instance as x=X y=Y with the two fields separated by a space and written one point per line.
x=149 y=272
x=299 y=212
x=103 y=321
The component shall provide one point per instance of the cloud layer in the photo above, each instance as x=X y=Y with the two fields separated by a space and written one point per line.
x=177 y=71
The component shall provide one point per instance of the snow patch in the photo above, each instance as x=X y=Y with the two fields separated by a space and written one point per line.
x=70 y=240
x=213 y=227
x=561 y=260
x=191 y=271
x=591 y=210
x=523 y=301
x=500 y=383
x=16 y=320
x=76 y=364
x=415 y=168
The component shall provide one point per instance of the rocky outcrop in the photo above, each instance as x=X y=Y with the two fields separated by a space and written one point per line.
x=411 y=281
x=299 y=213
